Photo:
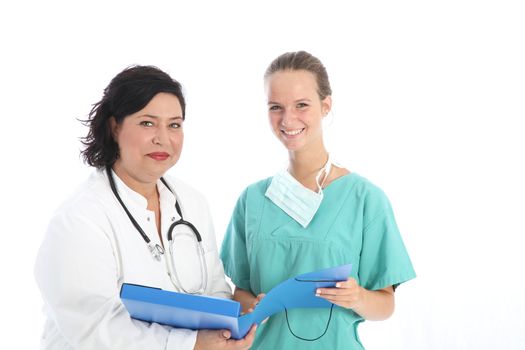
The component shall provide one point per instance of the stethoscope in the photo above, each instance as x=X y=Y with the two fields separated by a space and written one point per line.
x=157 y=251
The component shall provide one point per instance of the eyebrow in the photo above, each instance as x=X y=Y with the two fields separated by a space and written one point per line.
x=296 y=101
x=156 y=117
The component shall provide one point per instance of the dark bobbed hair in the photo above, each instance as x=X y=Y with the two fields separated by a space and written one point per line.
x=127 y=93
x=302 y=60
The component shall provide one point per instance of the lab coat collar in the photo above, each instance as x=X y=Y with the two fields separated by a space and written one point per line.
x=127 y=194
x=167 y=198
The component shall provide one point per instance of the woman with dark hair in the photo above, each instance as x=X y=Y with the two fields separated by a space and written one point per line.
x=312 y=215
x=128 y=224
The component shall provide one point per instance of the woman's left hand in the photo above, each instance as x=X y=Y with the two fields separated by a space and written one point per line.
x=255 y=301
x=348 y=294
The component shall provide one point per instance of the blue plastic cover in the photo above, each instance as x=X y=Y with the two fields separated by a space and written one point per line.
x=205 y=312
x=179 y=309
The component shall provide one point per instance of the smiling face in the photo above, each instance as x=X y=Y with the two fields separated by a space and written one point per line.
x=150 y=140
x=295 y=109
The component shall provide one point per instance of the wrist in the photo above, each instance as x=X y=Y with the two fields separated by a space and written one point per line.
x=360 y=303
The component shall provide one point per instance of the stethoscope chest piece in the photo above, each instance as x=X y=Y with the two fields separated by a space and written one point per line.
x=156 y=251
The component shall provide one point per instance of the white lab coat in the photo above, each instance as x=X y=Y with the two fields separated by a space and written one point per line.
x=91 y=248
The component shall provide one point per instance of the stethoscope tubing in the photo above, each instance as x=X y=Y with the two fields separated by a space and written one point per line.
x=156 y=250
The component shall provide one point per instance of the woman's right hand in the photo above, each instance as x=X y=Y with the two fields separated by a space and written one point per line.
x=221 y=339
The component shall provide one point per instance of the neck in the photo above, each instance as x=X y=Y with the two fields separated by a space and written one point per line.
x=146 y=189
x=305 y=165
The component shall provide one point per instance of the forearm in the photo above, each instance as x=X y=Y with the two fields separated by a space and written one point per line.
x=76 y=273
x=245 y=297
x=376 y=305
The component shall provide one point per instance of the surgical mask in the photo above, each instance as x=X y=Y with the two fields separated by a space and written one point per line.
x=293 y=198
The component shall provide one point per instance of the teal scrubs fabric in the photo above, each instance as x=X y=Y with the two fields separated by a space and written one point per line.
x=263 y=246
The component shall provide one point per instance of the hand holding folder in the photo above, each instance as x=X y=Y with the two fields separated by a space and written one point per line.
x=205 y=312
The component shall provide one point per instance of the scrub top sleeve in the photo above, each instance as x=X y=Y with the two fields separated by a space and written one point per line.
x=234 y=251
x=384 y=260
x=76 y=271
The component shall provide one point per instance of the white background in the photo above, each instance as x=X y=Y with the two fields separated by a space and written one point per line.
x=428 y=104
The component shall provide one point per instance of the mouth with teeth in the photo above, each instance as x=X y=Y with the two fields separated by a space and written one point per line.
x=292 y=133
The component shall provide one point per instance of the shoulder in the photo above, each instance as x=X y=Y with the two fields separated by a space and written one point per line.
x=373 y=199
x=255 y=191
x=86 y=210
x=259 y=187
x=92 y=193
x=183 y=189
x=252 y=194
x=366 y=188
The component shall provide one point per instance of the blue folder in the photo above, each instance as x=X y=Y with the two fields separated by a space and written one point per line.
x=179 y=309
x=206 y=312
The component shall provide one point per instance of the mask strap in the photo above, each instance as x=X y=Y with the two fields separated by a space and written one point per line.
x=326 y=170
x=313 y=339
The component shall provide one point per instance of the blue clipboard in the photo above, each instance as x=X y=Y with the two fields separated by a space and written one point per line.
x=205 y=312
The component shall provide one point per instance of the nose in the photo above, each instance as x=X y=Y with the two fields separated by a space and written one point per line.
x=160 y=137
x=288 y=116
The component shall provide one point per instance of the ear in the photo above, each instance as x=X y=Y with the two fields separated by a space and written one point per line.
x=114 y=128
x=326 y=105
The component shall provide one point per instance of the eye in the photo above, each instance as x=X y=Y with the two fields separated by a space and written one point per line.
x=146 y=123
x=301 y=105
x=275 y=108
x=176 y=125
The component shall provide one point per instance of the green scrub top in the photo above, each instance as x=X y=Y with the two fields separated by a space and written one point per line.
x=263 y=246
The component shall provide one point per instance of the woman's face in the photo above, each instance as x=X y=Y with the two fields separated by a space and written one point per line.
x=150 y=140
x=295 y=109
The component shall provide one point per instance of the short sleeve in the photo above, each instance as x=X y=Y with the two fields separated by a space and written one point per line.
x=384 y=259
x=234 y=251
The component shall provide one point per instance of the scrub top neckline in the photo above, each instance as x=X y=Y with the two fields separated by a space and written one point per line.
x=334 y=181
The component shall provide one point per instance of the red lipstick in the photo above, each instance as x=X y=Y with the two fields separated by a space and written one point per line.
x=158 y=155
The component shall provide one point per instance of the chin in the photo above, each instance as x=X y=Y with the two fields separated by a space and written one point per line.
x=157 y=173
x=293 y=147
